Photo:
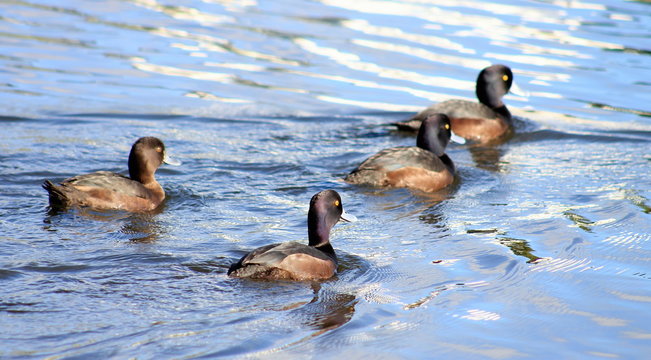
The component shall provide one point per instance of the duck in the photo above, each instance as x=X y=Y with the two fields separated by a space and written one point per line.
x=105 y=190
x=423 y=167
x=296 y=261
x=481 y=122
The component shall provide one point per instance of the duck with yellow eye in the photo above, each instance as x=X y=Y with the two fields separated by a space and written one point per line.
x=296 y=261
x=423 y=167
x=482 y=122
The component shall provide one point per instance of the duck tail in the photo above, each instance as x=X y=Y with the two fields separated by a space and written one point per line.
x=409 y=125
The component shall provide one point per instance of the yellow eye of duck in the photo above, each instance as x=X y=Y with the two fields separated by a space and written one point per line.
x=505 y=77
x=159 y=149
x=447 y=126
x=336 y=202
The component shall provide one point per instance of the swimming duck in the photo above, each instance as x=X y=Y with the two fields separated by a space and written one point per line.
x=105 y=190
x=294 y=260
x=424 y=167
x=481 y=122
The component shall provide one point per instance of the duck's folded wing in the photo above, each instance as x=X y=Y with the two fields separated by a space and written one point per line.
x=109 y=181
x=399 y=157
x=458 y=109
x=273 y=254
x=264 y=255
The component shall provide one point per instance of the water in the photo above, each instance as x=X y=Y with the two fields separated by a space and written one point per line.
x=542 y=250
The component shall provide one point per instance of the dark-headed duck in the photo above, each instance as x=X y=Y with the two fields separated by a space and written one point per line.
x=424 y=167
x=296 y=261
x=106 y=190
x=482 y=121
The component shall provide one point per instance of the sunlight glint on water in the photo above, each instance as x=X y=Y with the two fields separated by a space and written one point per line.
x=541 y=250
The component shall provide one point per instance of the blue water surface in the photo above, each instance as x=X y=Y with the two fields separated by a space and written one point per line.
x=541 y=250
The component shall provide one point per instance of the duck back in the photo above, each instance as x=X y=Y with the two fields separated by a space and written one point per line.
x=459 y=109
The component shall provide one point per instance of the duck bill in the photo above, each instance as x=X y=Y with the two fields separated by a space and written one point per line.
x=457 y=139
x=348 y=217
x=516 y=90
x=169 y=161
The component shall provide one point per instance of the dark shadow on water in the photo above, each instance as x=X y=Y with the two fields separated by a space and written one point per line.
x=365 y=131
x=17 y=307
x=6 y=119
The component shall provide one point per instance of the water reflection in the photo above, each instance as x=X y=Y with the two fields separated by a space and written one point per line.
x=488 y=26
x=520 y=196
x=432 y=218
x=438 y=289
x=209 y=76
x=354 y=62
x=137 y=227
x=579 y=221
x=234 y=5
x=488 y=157
x=519 y=247
x=429 y=40
x=142 y=228
x=563 y=265
x=618 y=108
x=86 y=212
x=638 y=200
x=328 y=309
x=214 y=44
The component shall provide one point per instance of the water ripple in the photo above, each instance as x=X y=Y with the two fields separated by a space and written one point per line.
x=268 y=102
x=563 y=265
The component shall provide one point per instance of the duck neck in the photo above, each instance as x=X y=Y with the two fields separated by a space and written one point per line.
x=144 y=179
x=448 y=163
x=427 y=143
x=493 y=101
x=489 y=99
x=318 y=232
x=138 y=172
x=328 y=250
x=503 y=112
